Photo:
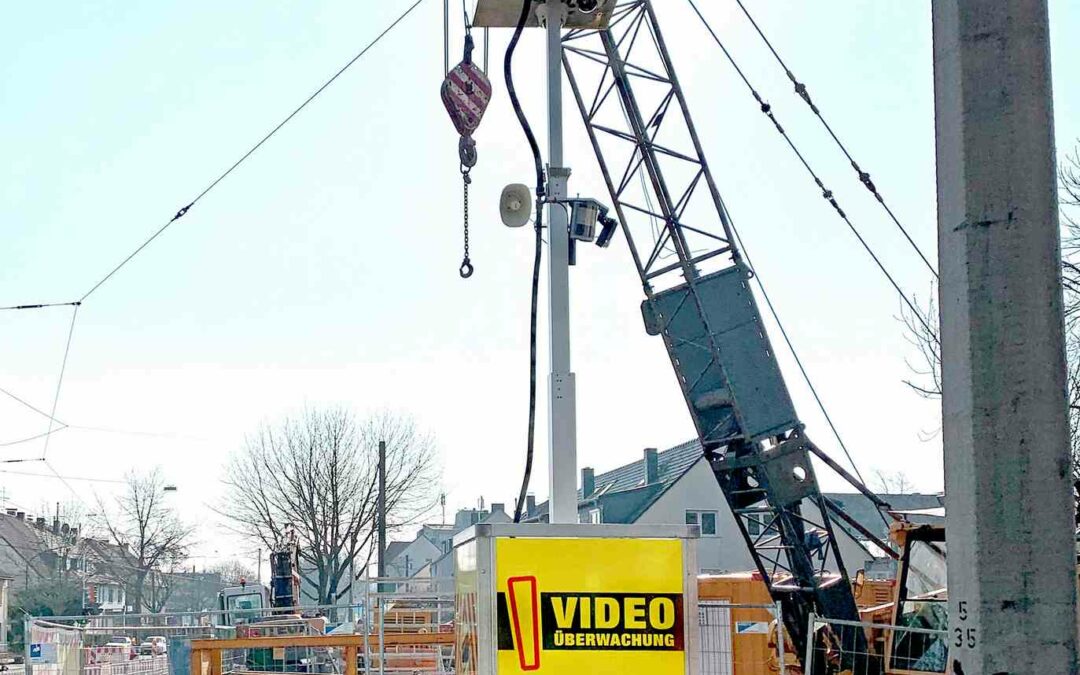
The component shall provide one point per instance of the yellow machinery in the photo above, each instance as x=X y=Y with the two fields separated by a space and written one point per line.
x=756 y=653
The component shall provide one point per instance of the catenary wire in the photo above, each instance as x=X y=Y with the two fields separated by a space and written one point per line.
x=47 y=475
x=804 y=94
x=40 y=305
x=826 y=193
x=8 y=444
x=60 y=380
x=39 y=411
x=180 y=214
x=64 y=481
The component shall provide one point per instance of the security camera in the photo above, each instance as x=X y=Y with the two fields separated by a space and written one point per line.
x=607 y=231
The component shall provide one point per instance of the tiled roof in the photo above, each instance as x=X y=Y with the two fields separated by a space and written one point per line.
x=394 y=548
x=673 y=464
x=623 y=491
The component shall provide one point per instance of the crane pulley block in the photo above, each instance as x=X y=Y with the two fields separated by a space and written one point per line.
x=466 y=92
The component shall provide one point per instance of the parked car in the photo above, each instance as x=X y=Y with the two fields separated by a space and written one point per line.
x=154 y=645
x=125 y=643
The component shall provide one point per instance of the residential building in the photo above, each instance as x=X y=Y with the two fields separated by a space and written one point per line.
x=677 y=486
x=428 y=554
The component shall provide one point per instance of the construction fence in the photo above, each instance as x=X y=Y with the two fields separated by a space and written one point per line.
x=862 y=648
x=409 y=624
x=400 y=626
x=740 y=639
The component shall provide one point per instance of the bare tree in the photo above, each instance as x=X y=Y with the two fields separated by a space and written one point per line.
x=232 y=571
x=922 y=327
x=153 y=538
x=317 y=477
x=893 y=482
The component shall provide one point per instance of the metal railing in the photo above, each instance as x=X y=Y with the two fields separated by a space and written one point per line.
x=833 y=648
x=741 y=639
x=407 y=623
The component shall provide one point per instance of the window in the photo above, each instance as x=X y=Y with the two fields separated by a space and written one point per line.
x=705 y=519
x=594 y=516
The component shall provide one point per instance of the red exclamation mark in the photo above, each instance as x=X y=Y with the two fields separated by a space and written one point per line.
x=523 y=601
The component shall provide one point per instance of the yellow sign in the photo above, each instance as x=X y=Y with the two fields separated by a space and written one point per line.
x=596 y=606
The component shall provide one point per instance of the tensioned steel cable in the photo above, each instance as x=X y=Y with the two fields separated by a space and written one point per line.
x=180 y=214
x=757 y=277
x=826 y=193
x=29 y=405
x=60 y=381
x=798 y=360
x=804 y=94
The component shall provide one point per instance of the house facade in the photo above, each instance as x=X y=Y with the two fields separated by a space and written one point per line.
x=677 y=486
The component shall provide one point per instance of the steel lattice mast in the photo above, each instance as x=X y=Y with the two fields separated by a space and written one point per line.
x=698 y=299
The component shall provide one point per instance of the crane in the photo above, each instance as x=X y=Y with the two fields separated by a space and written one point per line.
x=696 y=280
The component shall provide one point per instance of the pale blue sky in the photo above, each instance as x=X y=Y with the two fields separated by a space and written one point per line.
x=324 y=269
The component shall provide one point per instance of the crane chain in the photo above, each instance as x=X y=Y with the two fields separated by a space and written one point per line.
x=466 y=269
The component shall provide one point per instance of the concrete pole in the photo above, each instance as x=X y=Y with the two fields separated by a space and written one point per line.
x=562 y=413
x=1012 y=558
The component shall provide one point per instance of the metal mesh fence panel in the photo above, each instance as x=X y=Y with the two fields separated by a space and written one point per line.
x=833 y=648
x=740 y=639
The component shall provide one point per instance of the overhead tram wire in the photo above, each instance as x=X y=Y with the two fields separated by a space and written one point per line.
x=65 y=482
x=47 y=475
x=40 y=305
x=180 y=214
x=60 y=379
x=183 y=211
x=44 y=434
x=826 y=193
x=804 y=94
x=30 y=406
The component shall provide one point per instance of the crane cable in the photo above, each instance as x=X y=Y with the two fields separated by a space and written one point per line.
x=826 y=193
x=864 y=176
x=761 y=286
x=508 y=75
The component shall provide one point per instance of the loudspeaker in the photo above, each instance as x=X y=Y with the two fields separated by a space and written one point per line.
x=515 y=205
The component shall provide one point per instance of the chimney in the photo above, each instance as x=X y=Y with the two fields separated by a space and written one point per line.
x=56 y=526
x=588 y=482
x=75 y=532
x=652 y=466
x=11 y=512
x=498 y=507
x=530 y=504
x=20 y=515
x=65 y=529
x=40 y=523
